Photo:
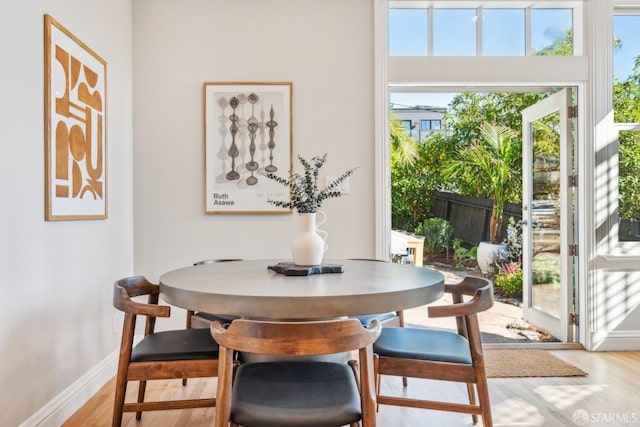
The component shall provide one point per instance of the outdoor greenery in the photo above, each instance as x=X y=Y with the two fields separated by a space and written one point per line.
x=509 y=263
x=306 y=197
x=626 y=101
x=461 y=254
x=437 y=234
x=418 y=168
x=412 y=179
x=492 y=164
x=509 y=279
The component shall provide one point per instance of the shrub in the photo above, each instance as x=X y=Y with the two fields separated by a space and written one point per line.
x=509 y=279
x=462 y=254
x=542 y=276
x=514 y=240
x=437 y=234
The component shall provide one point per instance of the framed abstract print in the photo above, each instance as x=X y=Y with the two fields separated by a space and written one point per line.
x=247 y=134
x=75 y=81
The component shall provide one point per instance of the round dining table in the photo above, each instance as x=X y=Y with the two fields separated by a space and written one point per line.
x=250 y=289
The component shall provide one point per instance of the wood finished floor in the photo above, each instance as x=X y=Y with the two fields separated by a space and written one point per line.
x=608 y=396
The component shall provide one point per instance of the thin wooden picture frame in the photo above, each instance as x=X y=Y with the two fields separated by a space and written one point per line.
x=247 y=133
x=75 y=104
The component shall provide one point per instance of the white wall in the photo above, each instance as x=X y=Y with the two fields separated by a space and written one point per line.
x=324 y=48
x=56 y=317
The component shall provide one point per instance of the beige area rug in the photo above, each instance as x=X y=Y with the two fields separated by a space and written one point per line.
x=500 y=363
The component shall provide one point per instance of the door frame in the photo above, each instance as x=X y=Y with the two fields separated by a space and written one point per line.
x=382 y=171
x=560 y=327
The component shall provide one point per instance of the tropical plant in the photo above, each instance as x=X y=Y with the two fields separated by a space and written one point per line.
x=437 y=234
x=403 y=146
x=412 y=178
x=306 y=197
x=494 y=162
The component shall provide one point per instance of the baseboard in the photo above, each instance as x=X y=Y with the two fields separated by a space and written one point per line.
x=64 y=405
x=616 y=341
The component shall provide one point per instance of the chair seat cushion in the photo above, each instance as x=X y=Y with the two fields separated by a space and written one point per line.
x=176 y=345
x=295 y=394
x=222 y=318
x=368 y=318
x=423 y=344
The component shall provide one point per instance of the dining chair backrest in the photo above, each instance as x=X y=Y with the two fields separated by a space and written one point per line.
x=183 y=353
x=444 y=355
x=272 y=403
x=295 y=338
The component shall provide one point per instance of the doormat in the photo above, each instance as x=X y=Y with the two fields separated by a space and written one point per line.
x=501 y=363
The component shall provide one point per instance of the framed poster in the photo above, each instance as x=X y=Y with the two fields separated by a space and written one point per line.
x=75 y=82
x=247 y=134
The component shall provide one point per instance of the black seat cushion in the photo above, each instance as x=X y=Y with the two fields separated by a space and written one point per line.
x=368 y=318
x=423 y=344
x=222 y=318
x=176 y=345
x=295 y=394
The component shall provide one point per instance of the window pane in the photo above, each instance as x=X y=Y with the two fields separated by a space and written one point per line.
x=503 y=32
x=425 y=124
x=454 y=32
x=626 y=69
x=552 y=32
x=408 y=32
x=436 y=124
x=629 y=185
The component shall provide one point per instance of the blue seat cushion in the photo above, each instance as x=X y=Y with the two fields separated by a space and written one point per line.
x=176 y=345
x=295 y=394
x=368 y=318
x=423 y=344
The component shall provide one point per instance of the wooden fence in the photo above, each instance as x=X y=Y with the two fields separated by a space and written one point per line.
x=470 y=216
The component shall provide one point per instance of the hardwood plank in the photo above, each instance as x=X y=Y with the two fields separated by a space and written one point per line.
x=612 y=389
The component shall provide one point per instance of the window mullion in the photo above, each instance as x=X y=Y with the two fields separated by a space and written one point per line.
x=479 y=24
x=430 y=31
x=527 y=32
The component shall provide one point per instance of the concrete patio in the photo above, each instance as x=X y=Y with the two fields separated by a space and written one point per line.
x=503 y=323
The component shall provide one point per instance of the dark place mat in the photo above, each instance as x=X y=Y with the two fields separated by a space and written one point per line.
x=290 y=269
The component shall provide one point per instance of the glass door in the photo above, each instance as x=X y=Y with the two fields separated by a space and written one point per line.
x=547 y=211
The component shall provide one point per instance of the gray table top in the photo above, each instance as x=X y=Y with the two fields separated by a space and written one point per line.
x=250 y=289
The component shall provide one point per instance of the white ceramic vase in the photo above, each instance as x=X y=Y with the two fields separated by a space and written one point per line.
x=487 y=254
x=308 y=245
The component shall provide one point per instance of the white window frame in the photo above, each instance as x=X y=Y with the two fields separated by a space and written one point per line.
x=620 y=251
x=576 y=6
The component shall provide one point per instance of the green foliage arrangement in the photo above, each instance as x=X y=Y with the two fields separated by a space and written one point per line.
x=437 y=234
x=306 y=197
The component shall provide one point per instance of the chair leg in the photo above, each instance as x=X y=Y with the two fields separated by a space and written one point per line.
x=141 y=389
x=485 y=403
x=121 y=389
x=472 y=400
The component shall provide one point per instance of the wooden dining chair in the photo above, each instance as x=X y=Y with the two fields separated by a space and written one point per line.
x=386 y=319
x=184 y=353
x=296 y=393
x=201 y=319
x=440 y=354
x=391 y=318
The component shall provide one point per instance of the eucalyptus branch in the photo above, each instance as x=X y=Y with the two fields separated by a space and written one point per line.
x=306 y=197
